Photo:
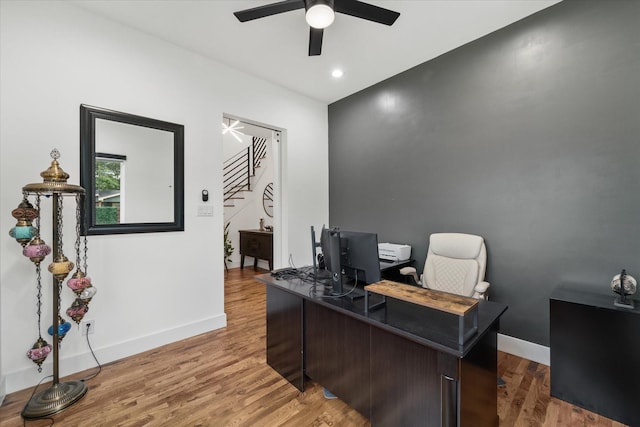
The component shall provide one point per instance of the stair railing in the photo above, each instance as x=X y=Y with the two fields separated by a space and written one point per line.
x=236 y=174
x=239 y=168
x=259 y=151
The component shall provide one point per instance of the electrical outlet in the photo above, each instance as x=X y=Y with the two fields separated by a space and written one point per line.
x=88 y=327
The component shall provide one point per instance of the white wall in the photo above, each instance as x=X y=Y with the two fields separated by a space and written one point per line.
x=152 y=288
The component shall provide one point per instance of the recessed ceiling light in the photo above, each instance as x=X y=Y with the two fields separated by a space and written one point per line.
x=337 y=73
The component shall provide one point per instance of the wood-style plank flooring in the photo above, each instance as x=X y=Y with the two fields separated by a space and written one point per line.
x=221 y=379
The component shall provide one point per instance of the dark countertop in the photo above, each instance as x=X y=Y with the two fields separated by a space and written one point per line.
x=422 y=325
x=587 y=294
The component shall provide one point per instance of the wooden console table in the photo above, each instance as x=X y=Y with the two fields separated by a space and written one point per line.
x=257 y=244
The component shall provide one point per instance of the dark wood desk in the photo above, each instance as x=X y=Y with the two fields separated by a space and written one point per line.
x=398 y=366
x=257 y=244
x=595 y=351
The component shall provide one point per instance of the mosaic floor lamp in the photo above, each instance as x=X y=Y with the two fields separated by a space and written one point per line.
x=60 y=395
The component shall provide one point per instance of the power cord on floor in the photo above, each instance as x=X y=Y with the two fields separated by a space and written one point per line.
x=94 y=358
x=35 y=389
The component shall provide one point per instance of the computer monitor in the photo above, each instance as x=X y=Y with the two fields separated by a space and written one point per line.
x=362 y=258
x=351 y=254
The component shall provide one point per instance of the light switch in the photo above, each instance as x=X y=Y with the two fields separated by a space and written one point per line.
x=205 y=210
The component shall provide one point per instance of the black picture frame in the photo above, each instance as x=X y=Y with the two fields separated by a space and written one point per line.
x=88 y=116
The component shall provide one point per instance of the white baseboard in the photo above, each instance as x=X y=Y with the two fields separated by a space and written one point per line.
x=528 y=350
x=29 y=377
x=248 y=263
x=3 y=389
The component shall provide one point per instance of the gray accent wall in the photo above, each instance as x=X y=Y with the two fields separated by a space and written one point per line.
x=529 y=137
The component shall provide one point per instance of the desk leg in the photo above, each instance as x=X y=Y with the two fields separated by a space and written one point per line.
x=368 y=308
x=241 y=262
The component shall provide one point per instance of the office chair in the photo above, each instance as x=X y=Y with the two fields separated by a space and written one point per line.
x=455 y=263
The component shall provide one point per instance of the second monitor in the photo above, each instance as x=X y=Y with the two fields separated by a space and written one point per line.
x=353 y=254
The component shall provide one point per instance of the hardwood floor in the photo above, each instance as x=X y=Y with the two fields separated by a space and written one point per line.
x=221 y=379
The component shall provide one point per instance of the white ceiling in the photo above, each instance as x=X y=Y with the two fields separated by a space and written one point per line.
x=275 y=48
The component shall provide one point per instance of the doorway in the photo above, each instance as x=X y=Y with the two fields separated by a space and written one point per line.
x=251 y=188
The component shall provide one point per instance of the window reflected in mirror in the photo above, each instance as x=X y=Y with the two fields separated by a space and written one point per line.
x=110 y=194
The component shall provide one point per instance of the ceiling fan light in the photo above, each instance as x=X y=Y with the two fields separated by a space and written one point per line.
x=320 y=16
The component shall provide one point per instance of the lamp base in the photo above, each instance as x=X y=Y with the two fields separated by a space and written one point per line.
x=54 y=399
x=623 y=302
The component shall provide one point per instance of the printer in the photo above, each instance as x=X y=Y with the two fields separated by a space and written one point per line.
x=394 y=252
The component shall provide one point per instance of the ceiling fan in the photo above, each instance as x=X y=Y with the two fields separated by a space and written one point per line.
x=320 y=14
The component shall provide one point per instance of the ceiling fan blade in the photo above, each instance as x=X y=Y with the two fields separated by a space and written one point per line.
x=315 y=41
x=366 y=11
x=268 y=10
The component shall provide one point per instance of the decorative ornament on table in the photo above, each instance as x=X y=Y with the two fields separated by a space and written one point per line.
x=624 y=285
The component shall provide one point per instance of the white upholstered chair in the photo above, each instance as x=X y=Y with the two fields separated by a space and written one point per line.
x=455 y=263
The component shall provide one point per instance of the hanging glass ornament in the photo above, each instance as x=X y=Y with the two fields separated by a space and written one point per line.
x=25 y=211
x=41 y=349
x=61 y=267
x=87 y=294
x=78 y=282
x=39 y=352
x=81 y=286
x=24 y=231
x=77 y=310
x=63 y=328
x=36 y=250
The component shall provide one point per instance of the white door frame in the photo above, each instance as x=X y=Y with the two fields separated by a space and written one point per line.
x=280 y=203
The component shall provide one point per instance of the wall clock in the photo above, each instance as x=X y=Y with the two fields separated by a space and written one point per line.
x=267 y=199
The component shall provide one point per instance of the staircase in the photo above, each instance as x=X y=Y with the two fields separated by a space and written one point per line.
x=240 y=168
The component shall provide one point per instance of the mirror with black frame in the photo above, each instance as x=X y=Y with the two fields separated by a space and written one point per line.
x=132 y=169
